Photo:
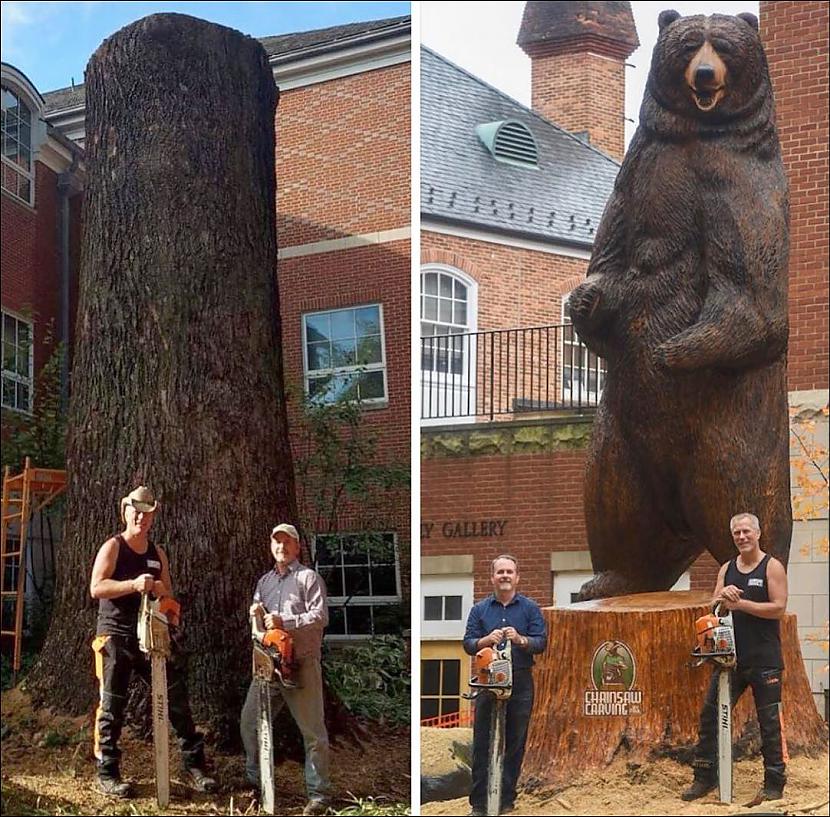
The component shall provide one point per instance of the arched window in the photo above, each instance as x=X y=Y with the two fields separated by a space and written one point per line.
x=448 y=359
x=583 y=373
x=17 y=146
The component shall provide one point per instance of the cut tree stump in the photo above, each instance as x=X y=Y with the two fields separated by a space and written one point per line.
x=592 y=701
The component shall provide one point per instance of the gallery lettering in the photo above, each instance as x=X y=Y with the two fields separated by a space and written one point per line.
x=607 y=702
x=466 y=528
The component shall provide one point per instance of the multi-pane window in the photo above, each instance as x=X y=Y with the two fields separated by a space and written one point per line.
x=442 y=608
x=445 y=310
x=17 y=146
x=344 y=355
x=440 y=687
x=17 y=363
x=583 y=373
x=362 y=576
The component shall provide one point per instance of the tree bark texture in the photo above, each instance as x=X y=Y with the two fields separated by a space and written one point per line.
x=177 y=380
x=569 y=733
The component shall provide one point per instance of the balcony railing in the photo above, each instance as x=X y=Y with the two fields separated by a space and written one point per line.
x=508 y=372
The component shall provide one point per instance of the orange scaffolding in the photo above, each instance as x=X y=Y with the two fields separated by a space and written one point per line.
x=23 y=495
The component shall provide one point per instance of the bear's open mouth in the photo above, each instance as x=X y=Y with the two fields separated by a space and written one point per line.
x=707 y=98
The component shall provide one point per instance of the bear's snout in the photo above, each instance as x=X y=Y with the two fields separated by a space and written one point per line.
x=706 y=77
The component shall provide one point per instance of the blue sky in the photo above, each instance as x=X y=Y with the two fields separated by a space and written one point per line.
x=51 y=42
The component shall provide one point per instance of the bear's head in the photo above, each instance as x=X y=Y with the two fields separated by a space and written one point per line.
x=709 y=69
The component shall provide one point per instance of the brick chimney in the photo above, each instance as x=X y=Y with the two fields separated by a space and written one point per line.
x=578 y=52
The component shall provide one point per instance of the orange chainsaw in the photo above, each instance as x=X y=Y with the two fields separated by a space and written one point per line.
x=493 y=668
x=273 y=656
x=154 y=620
x=715 y=643
x=715 y=637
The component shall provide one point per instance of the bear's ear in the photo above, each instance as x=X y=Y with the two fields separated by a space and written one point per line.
x=750 y=18
x=667 y=17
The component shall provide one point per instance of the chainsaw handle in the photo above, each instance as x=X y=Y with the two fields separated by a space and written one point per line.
x=716 y=609
x=258 y=622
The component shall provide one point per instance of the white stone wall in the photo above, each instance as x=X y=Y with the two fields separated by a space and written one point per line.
x=808 y=567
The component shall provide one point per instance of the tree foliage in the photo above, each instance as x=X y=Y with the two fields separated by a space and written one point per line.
x=41 y=435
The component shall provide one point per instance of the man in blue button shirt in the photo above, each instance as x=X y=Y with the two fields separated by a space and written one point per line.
x=505 y=614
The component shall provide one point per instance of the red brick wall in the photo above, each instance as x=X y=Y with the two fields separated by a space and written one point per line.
x=364 y=275
x=540 y=496
x=516 y=287
x=344 y=156
x=343 y=169
x=704 y=573
x=795 y=35
x=582 y=92
x=29 y=261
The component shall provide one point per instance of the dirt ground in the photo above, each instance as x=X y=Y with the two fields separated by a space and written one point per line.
x=624 y=788
x=48 y=768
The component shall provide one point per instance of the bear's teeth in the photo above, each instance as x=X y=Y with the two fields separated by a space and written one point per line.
x=704 y=102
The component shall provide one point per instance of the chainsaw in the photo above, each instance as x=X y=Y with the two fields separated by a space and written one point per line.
x=273 y=661
x=715 y=638
x=493 y=668
x=154 y=620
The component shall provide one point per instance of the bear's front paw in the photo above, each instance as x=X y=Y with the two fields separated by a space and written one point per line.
x=668 y=356
x=584 y=303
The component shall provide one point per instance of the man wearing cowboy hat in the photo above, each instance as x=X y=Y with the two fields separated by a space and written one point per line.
x=294 y=598
x=126 y=566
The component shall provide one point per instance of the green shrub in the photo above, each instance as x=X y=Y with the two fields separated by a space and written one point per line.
x=371 y=679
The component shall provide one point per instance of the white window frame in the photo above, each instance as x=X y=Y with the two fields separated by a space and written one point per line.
x=14 y=376
x=444 y=599
x=362 y=601
x=462 y=388
x=571 y=395
x=19 y=170
x=453 y=584
x=339 y=370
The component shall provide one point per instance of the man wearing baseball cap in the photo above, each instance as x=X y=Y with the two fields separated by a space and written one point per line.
x=126 y=566
x=294 y=599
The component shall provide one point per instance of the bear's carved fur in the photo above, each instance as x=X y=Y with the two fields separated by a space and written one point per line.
x=686 y=299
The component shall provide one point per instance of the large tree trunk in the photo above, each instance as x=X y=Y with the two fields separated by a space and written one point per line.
x=177 y=380
x=583 y=717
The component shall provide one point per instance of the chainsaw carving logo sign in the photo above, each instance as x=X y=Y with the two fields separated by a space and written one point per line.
x=613 y=673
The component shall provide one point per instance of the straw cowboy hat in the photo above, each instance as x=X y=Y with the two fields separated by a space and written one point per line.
x=141 y=499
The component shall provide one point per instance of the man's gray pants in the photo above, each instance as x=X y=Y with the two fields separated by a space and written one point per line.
x=306 y=707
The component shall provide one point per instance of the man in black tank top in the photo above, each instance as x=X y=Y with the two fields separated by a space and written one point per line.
x=126 y=566
x=754 y=587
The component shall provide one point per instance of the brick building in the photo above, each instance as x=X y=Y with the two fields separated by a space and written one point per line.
x=502 y=464
x=795 y=36
x=39 y=214
x=343 y=222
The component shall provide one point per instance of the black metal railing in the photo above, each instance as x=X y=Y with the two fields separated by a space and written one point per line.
x=507 y=372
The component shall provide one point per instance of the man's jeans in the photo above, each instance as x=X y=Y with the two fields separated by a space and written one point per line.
x=766 y=689
x=306 y=707
x=517 y=720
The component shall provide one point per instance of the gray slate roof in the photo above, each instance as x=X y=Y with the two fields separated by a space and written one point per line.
x=327 y=38
x=560 y=201
x=300 y=45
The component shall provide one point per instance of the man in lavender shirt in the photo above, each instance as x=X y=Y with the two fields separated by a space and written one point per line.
x=294 y=597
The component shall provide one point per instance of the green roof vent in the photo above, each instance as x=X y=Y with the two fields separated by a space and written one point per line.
x=510 y=142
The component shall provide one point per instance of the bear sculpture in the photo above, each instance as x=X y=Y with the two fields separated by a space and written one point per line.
x=686 y=300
